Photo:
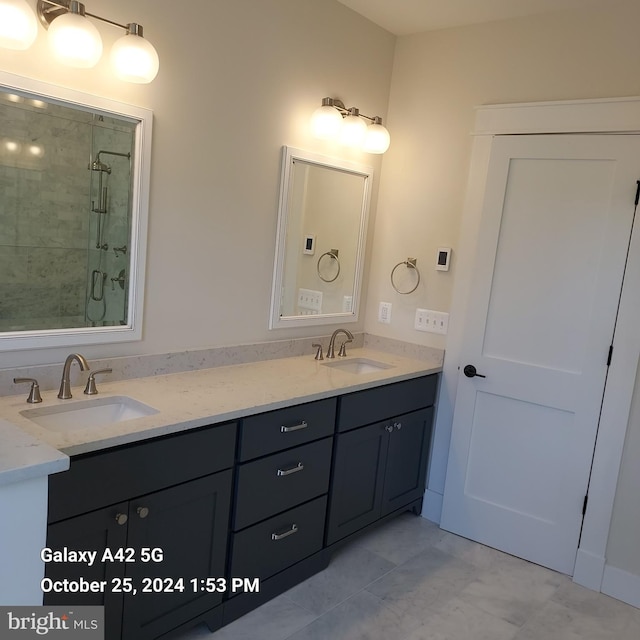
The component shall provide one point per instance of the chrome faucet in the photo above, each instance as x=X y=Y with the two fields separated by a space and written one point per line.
x=343 y=351
x=65 y=383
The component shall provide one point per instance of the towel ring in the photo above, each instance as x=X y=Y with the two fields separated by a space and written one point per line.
x=411 y=264
x=333 y=254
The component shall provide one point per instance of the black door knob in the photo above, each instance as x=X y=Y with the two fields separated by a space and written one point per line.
x=471 y=372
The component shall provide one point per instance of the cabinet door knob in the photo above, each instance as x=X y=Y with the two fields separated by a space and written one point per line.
x=121 y=518
x=143 y=512
x=398 y=425
x=389 y=428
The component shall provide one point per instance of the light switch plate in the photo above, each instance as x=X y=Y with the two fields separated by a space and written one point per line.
x=432 y=321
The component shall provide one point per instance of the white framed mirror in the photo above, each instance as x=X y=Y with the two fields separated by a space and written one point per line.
x=321 y=237
x=74 y=170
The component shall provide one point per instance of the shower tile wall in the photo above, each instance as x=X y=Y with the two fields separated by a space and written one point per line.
x=45 y=215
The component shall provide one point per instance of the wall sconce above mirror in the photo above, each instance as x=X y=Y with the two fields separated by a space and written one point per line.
x=74 y=40
x=333 y=121
x=322 y=224
x=73 y=225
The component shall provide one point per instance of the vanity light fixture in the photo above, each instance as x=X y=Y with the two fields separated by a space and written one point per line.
x=18 y=24
x=75 y=41
x=333 y=120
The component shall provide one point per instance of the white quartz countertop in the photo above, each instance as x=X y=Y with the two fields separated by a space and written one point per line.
x=185 y=401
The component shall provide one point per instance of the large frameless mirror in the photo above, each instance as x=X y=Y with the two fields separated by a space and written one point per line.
x=322 y=222
x=74 y=177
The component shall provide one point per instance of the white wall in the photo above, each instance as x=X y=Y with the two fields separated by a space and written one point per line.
x=238 y=79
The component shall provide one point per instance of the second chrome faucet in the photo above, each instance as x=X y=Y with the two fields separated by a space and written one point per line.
x=343 y=350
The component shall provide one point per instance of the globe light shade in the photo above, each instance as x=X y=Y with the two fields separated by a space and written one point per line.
x=377 y=139
x=134 y=59
x=326 y=122
x=353 y=131
x=18 y=24
x=75 y=41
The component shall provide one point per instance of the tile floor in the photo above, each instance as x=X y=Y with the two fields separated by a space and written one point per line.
x=408 y=580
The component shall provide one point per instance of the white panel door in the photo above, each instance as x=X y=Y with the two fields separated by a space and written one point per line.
x=555 y=227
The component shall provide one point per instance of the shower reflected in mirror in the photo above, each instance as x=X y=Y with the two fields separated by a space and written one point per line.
x=66 y=203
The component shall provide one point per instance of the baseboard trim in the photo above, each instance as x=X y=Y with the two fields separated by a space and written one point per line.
x=588 y=570
x=621 y=585
x=432 y=506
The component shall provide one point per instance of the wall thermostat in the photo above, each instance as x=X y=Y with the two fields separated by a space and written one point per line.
x=309 y=245
x=443 y=258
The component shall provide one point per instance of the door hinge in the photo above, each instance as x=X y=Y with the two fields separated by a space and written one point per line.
x=610 y=355
x=584 y=504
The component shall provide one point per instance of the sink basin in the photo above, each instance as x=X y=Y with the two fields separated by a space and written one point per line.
x=358 y=365
x=88 y=414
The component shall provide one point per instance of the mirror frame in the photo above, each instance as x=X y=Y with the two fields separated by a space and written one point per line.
x=141 y=170
x=289 y=155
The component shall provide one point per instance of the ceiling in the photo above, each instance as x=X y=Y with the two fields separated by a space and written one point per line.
x=403 y=17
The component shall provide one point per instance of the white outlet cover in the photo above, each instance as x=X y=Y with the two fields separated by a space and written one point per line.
x=384 y=313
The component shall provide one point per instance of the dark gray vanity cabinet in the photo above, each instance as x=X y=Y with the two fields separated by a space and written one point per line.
x=281 y=499
x=186 y=518
x=380 y=468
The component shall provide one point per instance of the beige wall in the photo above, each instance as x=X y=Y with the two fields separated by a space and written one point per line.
x=438 y=78
x=238 y=79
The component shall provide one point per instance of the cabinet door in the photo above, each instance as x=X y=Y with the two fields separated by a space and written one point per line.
x=358 y=474
x=95 y=531
x=189 y=523
x=407 y=459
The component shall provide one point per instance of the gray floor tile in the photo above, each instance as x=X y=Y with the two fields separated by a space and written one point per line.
x=424 y=583
x=459 y=620
x=558 y=622
x=512 y=590
x=350 y=570
x=401 y=539
x=361 y=617
x=275 y=620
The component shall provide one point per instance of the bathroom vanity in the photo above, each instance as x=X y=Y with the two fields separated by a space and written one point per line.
x=205 y=523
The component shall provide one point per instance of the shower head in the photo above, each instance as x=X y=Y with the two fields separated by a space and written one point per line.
x=97 y=165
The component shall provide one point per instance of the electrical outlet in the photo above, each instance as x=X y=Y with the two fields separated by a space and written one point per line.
x=432 y=321
x=347 y=304
x=384 y=313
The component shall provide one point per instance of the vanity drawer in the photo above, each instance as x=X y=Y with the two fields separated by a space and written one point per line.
x=275 y=544
x=373 y=405
x=284 y=428
x=281 y=481
x=104 y=478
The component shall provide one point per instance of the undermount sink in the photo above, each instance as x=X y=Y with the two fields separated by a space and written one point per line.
x=88 y=414
x=358 y=365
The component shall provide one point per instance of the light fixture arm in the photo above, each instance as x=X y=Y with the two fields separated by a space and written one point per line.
x=48 y=11
x=353 y=111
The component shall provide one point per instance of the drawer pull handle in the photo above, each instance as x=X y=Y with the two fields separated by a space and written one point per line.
x=289 y=532
x=295 y=427
x=288 y=472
